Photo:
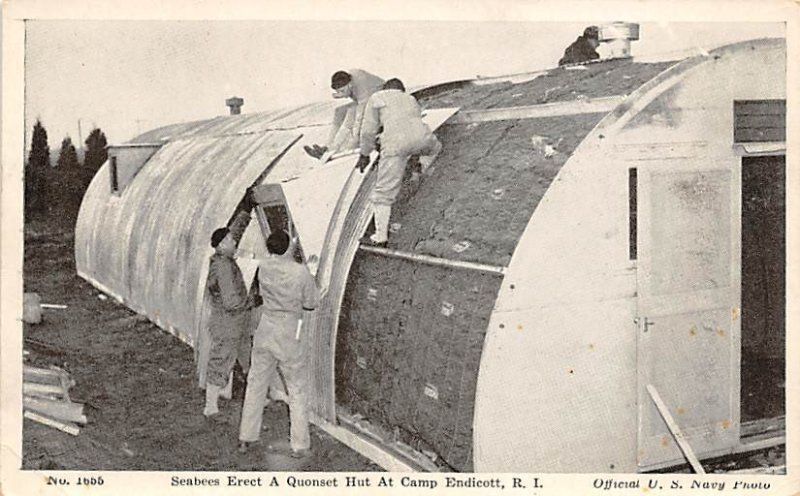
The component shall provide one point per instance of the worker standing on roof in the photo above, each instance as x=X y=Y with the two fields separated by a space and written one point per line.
x=583 y=49
x=357 y=85
x=229 y=322
x=404 y=135
x=288 y=290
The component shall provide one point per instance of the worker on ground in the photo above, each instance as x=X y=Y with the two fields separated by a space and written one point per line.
x=357 y=85
x=583 y=49
x=229 y=322
x=404 y=135
x=288 y=290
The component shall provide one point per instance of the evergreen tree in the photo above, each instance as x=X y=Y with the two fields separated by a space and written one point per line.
x=96 y=153
x=36 y=170
x=68 y=157
x=69 y=177
x=40 y=151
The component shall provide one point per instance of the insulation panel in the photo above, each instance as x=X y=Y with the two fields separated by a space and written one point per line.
x=408 y=347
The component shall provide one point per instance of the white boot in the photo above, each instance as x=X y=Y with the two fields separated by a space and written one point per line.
x=212 y=394
x=381 y=214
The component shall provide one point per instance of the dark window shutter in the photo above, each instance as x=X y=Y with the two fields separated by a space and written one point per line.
x=759 y=120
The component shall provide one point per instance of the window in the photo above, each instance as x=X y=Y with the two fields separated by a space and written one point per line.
x=632 y=213
x=126 y=160
x=114 y=175
x=759 y=121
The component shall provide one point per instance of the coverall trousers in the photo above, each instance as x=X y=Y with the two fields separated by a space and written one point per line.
x=393 y=163
x=230 y=340
x=274 y=345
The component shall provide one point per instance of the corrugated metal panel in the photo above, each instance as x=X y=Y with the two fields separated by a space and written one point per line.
x=129 y=244
x=97 y=257
x=337 y=263
x=312 y=206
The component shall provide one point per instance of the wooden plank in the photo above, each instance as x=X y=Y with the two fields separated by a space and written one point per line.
x=759 y=149
x=372 y=450
x=30 y=371
x=676 y=431
x=36 y=389
x=584 y=106
x=761 y=120
x=431 y=260
x=749 y=447
x=60 y=410
x=761 y=426
x=136 y=145
x=760 y=134
x=41 y=379
x=759 y=107
x=776 y=470
x=64 y=427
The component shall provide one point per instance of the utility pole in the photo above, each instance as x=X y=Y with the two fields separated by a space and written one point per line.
x=80 y=135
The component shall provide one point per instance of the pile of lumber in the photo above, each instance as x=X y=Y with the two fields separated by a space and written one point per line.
x=46 y=399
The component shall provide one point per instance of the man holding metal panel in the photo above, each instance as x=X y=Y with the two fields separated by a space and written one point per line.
x=288 y=290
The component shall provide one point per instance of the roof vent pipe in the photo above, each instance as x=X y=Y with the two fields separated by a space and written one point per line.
x=235 y=103
x=618 y=37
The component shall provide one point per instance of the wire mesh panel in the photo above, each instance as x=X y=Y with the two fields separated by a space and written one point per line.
x=408 y=350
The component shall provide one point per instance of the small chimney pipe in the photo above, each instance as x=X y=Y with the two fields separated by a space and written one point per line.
x=235 y=103
x=618 y=37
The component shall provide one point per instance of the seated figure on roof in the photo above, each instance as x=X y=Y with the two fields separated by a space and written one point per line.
x=583 y=49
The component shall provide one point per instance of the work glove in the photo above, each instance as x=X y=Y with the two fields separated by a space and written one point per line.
x=249 y=202
x=363 y=162
x=316 y=151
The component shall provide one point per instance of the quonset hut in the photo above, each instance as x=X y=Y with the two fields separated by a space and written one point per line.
x=579 y=280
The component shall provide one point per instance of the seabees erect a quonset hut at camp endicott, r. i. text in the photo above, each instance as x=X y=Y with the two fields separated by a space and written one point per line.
x=579 y=275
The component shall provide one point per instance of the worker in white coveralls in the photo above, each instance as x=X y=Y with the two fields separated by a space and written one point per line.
x=229 y=321
x=288 y=290
x=404 y=135
x=357 y=85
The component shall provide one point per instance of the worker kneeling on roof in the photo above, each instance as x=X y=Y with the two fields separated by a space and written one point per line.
x=583 y=49
x=404 y=135
x=357 y=85
x=287 y=289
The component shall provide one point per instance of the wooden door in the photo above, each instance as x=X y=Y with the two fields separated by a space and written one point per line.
x=688 y=322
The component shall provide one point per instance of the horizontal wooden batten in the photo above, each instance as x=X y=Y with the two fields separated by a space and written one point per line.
x=430 y=260
x=756 y=149
x=573 y=107
x=370 y=448
x=136 y=145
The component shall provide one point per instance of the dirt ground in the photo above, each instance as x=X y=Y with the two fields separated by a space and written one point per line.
x=143 y=406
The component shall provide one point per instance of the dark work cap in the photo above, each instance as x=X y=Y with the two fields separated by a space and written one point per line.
x=394 y=84
x=339 y=79
x=591 y=32
x=218 y=236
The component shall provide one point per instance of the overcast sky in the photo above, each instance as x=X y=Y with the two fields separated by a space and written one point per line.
x=130 y=76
